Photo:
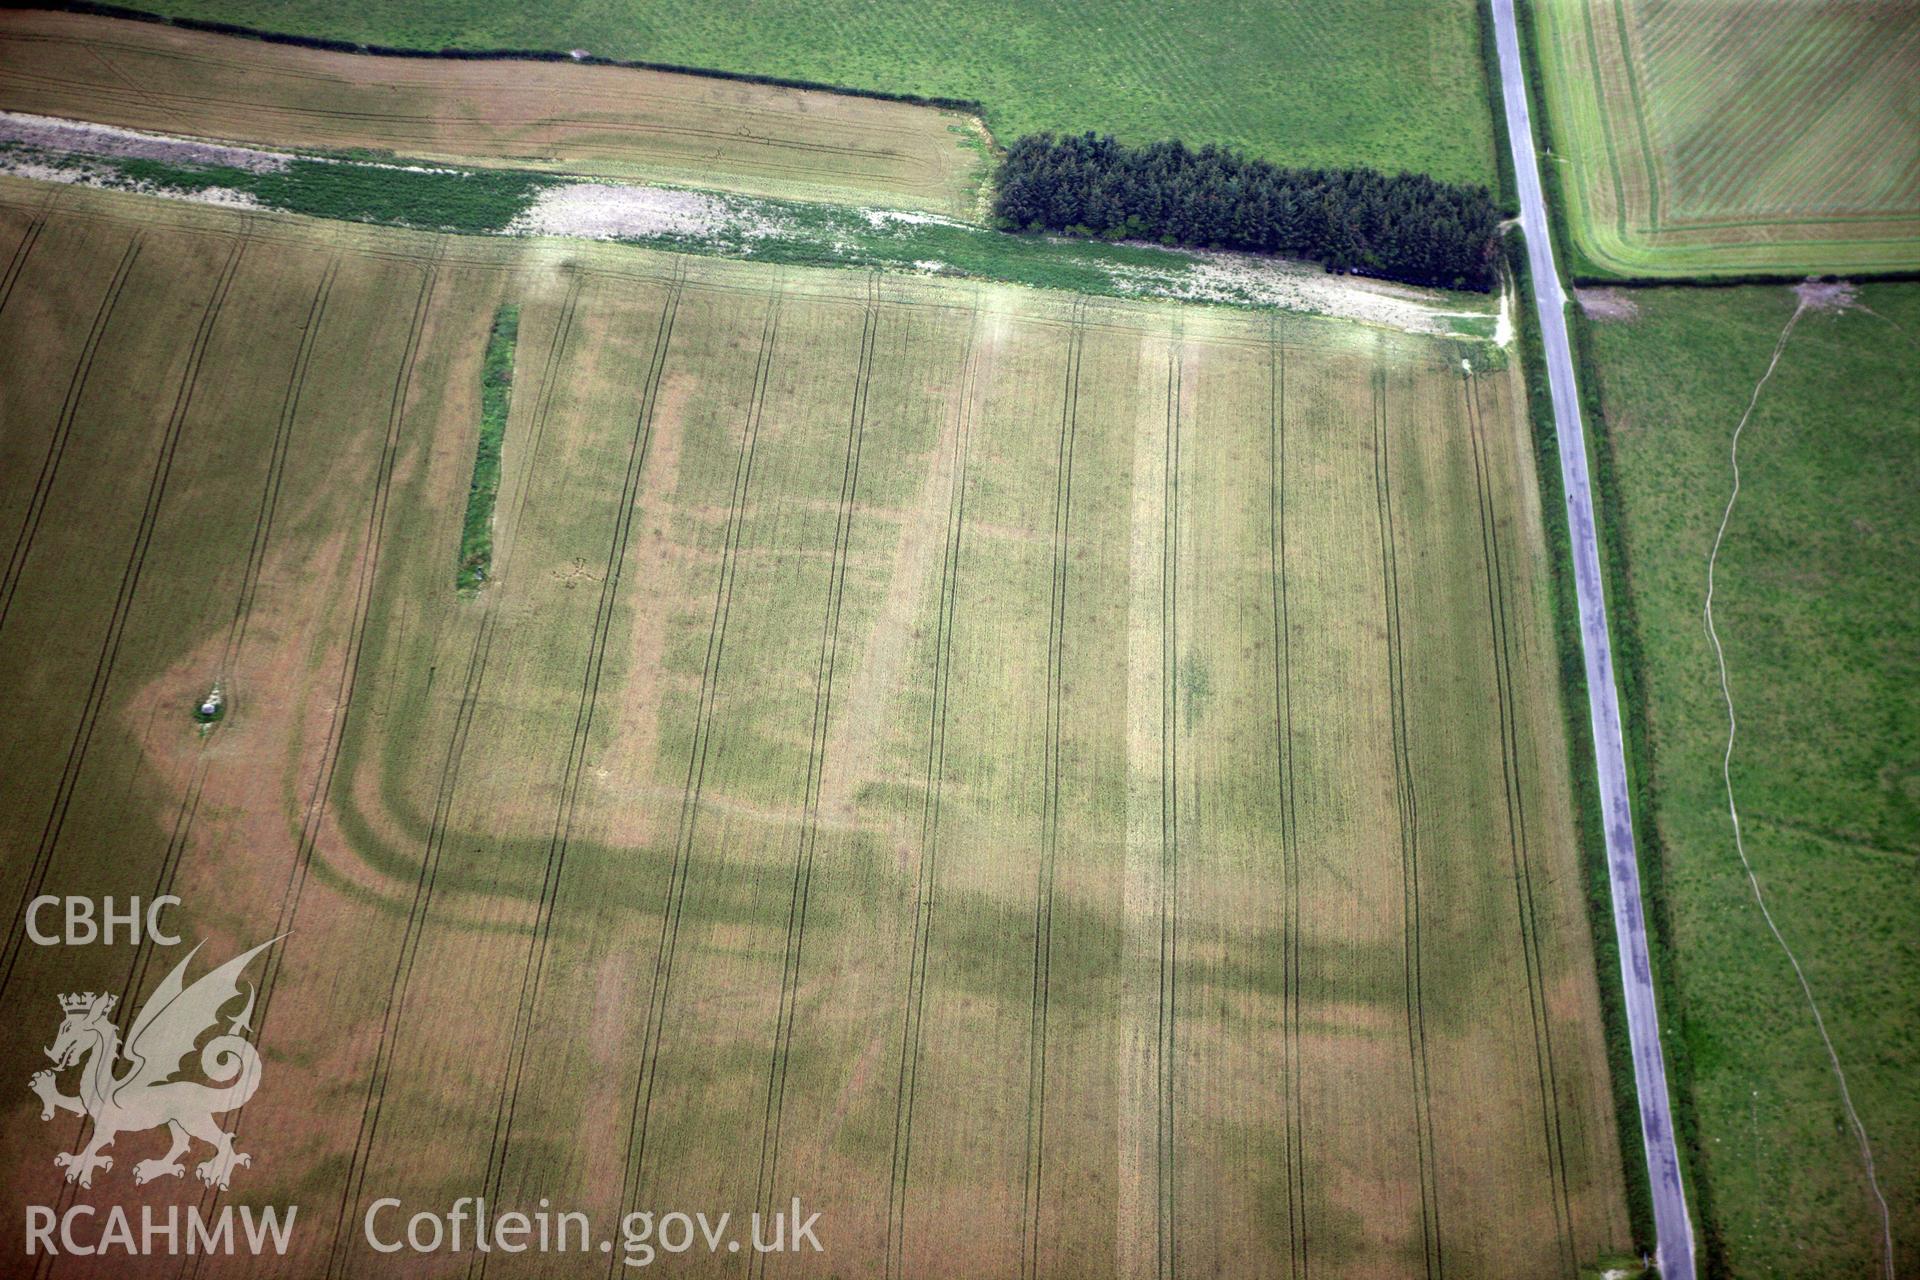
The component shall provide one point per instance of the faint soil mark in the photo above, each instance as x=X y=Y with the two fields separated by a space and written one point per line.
x=1607 y=304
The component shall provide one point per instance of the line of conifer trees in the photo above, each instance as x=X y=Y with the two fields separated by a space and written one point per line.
x=1405 y=227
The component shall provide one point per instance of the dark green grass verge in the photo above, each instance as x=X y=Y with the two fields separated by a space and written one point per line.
x=496 y=396
x=478 y=200
x=1580 y=755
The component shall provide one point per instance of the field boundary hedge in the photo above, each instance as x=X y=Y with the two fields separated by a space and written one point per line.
x=970 y=105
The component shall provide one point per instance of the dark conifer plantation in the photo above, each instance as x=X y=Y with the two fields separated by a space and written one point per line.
x=1404 y=227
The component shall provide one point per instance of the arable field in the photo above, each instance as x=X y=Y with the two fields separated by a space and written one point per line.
x=607 y=121
x=1815 y=607
x=1323 y=82
x=1061 y=786
x=1699 y=138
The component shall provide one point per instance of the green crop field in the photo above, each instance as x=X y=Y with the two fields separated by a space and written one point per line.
x=1323 y=82
x=1815 y=606
x=1698 y=138
x=1060 y=785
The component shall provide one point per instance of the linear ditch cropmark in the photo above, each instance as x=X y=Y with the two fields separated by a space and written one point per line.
x=1553 y=1141
x=1294 y=1136
x=1050 y=802
x=62 y=427
x=122 y=606
x=1167 y=1256
x=1408 y=802
x=662 y=983
x=539 y=945
x=816 y=766
x=1733 y=809
x=314 y=811
x=927 y=873
x=399 y=986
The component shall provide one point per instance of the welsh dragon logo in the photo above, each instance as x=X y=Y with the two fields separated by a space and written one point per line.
x=124 y=1090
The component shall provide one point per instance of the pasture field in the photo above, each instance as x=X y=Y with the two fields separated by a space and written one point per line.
x=1062 y=786
x=1708 y=139
x=1315 y=82
x=1815 y=607
x=555 y=117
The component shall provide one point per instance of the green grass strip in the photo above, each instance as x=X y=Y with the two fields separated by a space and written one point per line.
x=496 y=396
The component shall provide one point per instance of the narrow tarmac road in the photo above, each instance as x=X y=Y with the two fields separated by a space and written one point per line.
x=1673 y=1230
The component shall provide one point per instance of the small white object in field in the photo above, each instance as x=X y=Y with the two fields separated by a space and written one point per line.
x=1465 y=367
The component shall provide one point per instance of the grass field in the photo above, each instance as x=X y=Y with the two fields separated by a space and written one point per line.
x=603 y=121
x=1374 y=82
x=1060 y=785
x=1703 y=139
x=1815 y=608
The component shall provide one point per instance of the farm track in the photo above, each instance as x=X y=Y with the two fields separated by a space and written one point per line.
x=1433 y=1257
x=797 y=900
x=563 y=819
x=1050 y=811
x=1298 y=1257
x=662 y=980
x=1166 y=1046
x=927 y=870
x=394 y=1011
x=1519 y=856
x=129 y=583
